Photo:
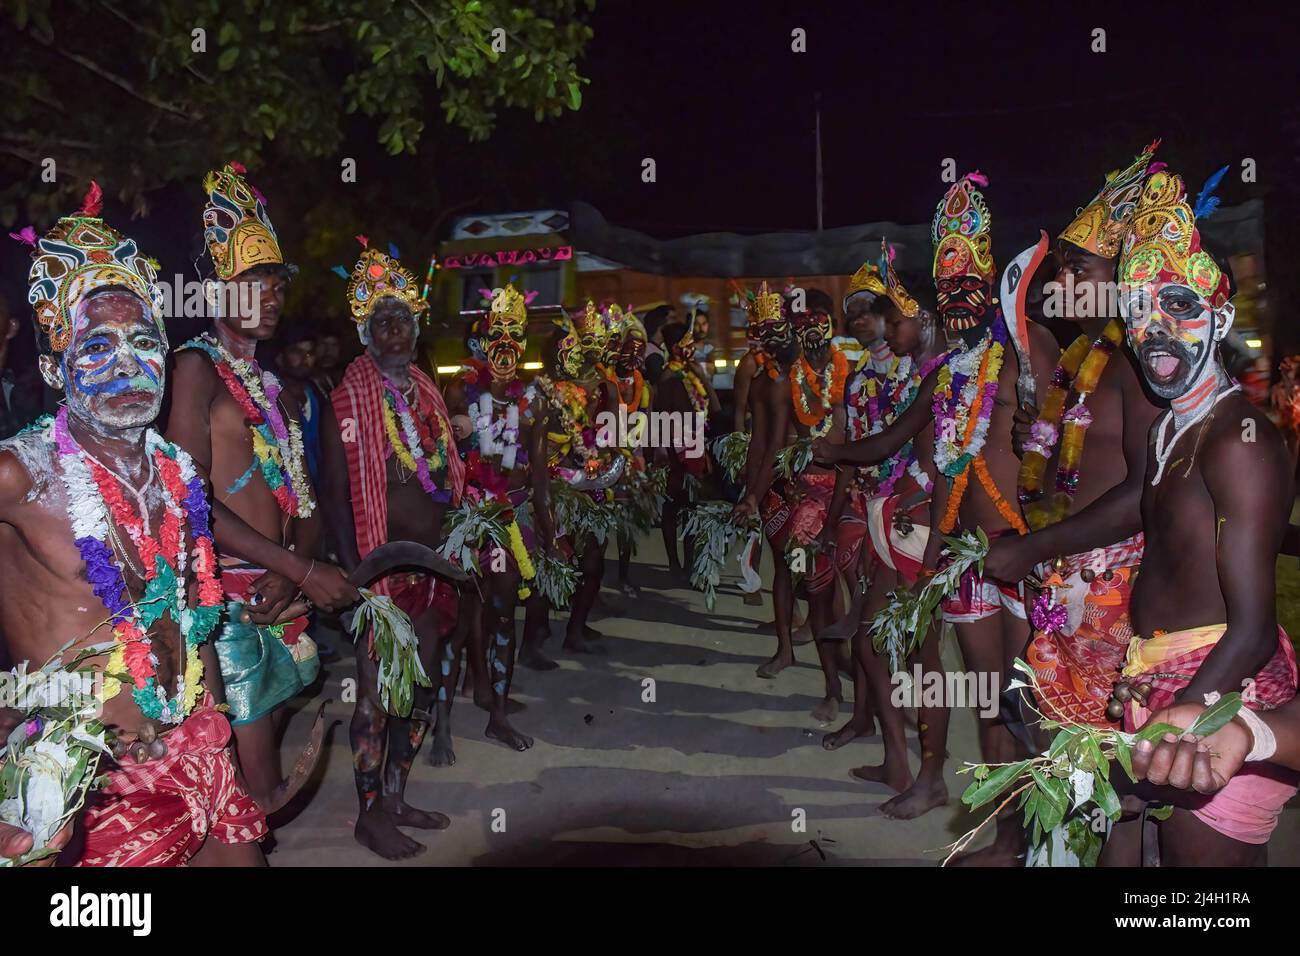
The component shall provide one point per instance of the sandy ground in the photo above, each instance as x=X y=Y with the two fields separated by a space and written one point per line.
x=714 y=771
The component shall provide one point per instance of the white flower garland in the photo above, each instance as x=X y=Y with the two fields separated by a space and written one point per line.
x=967 y=362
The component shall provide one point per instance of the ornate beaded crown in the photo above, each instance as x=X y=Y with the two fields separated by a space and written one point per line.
x=81 y=255
x=508 y=307
x=1099 y=226
x=376 y=277
x=236 y=228
x=1163 y=244
x=960 y=231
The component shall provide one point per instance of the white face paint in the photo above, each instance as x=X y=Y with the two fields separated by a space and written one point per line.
x=1175 y=333
x=113 y=370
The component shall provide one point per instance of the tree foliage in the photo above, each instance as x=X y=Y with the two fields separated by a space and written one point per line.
x=139 y=95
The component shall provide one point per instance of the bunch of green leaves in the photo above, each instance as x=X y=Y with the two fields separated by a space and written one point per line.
x=180 y=85
x=581 y=517
x=900 y=627
x=471 y=527
x=396 y=649
x=732 y=450
x=1058 y=788
x=557 y=579
x=715 y=535
x=793 y=459
x=51 y=757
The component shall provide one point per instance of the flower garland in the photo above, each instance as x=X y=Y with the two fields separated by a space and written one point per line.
x=695 y=390
x=826 y=386
x=631 y=390
x=766 y=363
x=1079 y=370
x=278 y=451
x=569 y=400
x=964 y=397
x=884 y=405
x=416 y=448
x=95 y=499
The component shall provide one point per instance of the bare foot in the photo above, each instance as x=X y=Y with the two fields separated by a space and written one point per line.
x=441 y=753
x=377 y=831
x=500 y=729
x=896 y=778
x=918 y=799
x=535 y=660
x=802 y=634
x=999 y=853
x=827 y=710
x=405 y=815
x=774 y=666
x=850 y=731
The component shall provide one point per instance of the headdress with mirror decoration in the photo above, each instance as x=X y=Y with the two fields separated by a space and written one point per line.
x=236 y=227
x=376 y=277
x=960 y=231
x=1099 y=226
x=83 y=254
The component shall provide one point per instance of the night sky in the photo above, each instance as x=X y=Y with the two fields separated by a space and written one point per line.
x=714 y=94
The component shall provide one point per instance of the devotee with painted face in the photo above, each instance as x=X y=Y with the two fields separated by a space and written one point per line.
x=881 y=540
x=96 y=511
x=793 y=517
x=1083 y=462
x=975 y=388
x=1218 y=492
x=682 y=393
x=500 y=486
x=391 y=473
x=245 y=431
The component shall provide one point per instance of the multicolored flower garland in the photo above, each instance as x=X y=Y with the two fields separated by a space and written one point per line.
x=964 y=397
x=632 y=391
x=826 y=386
x=417 y=450
x=695 y=390
x=278 y=451
x=94 y=500
x=1079 y=370
x=886 y=399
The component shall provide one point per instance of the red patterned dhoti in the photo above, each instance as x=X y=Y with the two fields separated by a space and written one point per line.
x=798 y=517
x=1078 y=665
x=1248 y=808
x=159 y=813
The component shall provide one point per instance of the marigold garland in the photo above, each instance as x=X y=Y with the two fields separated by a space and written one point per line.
x=826 y=386
x=1079 y=370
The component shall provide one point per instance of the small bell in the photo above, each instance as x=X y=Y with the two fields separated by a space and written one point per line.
x=1122 y=692
x=1115 y=710
x=1143 y=691
x=157 y=749
x=1058 y=564
x=1087 y=574
x=1108 y=575
x=148 y=733
x=139 y=752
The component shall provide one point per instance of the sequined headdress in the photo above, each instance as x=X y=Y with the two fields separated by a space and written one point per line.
x=509 y=308
x=960 y=232
x=1099 y=226
x=376 y=277
x=1163 y=243
x=236 y=228
x=892 y=286
x=80 y=255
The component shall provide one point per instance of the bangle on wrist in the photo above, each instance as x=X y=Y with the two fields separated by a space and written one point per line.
x=1265 y=743
x=310 y=569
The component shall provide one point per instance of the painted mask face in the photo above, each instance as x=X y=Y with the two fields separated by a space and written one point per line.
x=774 y=333
x=503 y=344
x=1174 y=332
x=591 y=332
x=631 y=354
x=964 y=301
x=568 y=352
x=113 y=369
x=814 y=329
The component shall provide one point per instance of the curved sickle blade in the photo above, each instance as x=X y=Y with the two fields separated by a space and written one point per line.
x=605 y=479
x=389 y=557
x=1015 y=292
x=288 y=788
